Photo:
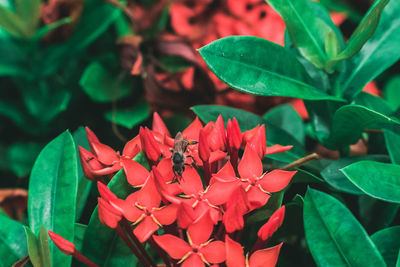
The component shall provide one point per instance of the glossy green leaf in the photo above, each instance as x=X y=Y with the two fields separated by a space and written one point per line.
x=102 y=244
x=375 y=103
x=80 y=230
x=257 y=66
x=364 y=31
x=392 y=91
x=376 y=214
x=334 y=236
x=378 y=53
x=332 y=45
x=129 y=117
x=392 y=141
x=52 y=192
x=351 y=120
x=306 y=29
x=12 y=241
x=378 y=180
x=101 y=85
x=388 y=243
x=303 y=176
x=335 y=178
x=51 y=27
x=287 y=119
x=21 y=157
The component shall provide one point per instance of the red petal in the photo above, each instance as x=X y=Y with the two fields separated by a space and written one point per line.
x=259 y=142
x=201 y=229
x=108 y=215
x=105 y=154
x=234 y=135
x=166 y=215
x=216 y=155
x=248 y=135
x=194 y=260
x=193 y=130
x=159 y=125
x=277 y=149
x=130 y=211
x=148 y=195
x=191 y=182
x=219 y=192
x=226 y=173
x=233 y=219
x=257 y=198
x=105 y=192
x=175 y=247
x=164 y=168
x=234 y=253
x=92 y=138
x=145 y=229
x=273 y=223
x=136 y=68
x=108 y=170
x=214 y=252
x=132 y=148
x=66 y=247
x=250 y=166
x=217 y=138
x=136 y=174
x=149 y=144
x=89 y=163
x=276 y=180
x=265 y=257
x=204 y=150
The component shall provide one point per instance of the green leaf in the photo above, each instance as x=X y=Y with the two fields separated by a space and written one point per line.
x=12 y=23
x=335 y=178
x=52 y=192
x=332 y=45
x=351 y=120
x=33 y=248
x=51 y=27
x=376 y=214
x=392 y=141
x=306 y=29
x=378 y=180
x=392 y=91
x=29 y=12
x=245 y=119
x=80 y=230
x=129 y=117
x=12 y=241
x=101 y=85
x=388 y=243
x=257 y=66
x=364 y=31
x=102 y=244
x=378 y=53
x=21 y=157
x=44 y=246
x=334 y=236
x=287 y=119
x=375 y=103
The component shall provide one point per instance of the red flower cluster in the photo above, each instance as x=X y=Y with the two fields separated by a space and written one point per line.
x=198 y=215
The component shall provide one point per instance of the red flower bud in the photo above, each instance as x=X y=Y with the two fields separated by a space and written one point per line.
x=234 y=135
x=204 y=150
x=89 y=164
x=92 y=138
x=159 y=125
x=149 y=144
x=217 y=137
x=105 y=192
x=259 y=142
x=274 y=222
x=104 y=153
x=66 y=247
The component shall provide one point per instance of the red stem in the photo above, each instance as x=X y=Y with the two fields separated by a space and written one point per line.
x=124 y=237
x=139 y=245
x=160 y=251
x=207 y=172
x=80 y=257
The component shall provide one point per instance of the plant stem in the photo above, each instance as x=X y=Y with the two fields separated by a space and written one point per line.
x=299 y=162
x=128 y=229
x=80 y=257
x=134 y=250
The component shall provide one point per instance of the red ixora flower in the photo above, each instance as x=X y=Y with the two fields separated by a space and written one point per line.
x=199 y=250
x=257 y=184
